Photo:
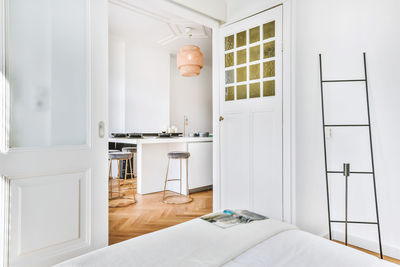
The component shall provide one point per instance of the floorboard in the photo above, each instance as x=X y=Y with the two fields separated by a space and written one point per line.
x=372 y=253
x=149 y=214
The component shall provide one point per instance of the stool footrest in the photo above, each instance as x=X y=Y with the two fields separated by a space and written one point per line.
x=173 y=180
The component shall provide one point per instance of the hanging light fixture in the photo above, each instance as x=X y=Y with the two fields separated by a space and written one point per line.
x=190 y=58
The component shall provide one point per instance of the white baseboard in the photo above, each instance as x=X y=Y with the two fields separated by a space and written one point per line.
x=388 y=250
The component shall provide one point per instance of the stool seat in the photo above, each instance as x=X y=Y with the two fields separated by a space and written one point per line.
x=178 y=155
x=119 y=155
x=129 y=149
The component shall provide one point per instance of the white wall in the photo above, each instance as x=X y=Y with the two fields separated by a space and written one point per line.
x=139 y=86
x=116 y=95
x=147 y=87
x=191 y=96
x=341 y=31
x=147 y=93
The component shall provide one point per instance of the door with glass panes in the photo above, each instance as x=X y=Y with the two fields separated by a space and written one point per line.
x=53 y=146
x=251 y=110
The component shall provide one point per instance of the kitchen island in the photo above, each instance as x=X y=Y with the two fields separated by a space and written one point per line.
x=152 y=162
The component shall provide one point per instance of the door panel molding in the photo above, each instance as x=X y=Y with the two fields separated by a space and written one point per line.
x=4 y=211
x=68 y=197
x=234 y=165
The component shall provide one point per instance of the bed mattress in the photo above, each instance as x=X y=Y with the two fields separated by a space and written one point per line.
x=199 y=243
x=295 y=248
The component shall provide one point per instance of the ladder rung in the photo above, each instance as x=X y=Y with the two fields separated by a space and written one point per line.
x=357 y=222
x=351 y=172
x=346 y=125
x=343 y=81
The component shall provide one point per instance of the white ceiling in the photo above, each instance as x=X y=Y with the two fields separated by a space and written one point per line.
x=143 y=21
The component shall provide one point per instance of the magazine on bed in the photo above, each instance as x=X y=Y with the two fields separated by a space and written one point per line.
x=229 y=218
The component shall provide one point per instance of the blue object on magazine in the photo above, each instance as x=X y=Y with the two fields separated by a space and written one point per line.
x=229 y=218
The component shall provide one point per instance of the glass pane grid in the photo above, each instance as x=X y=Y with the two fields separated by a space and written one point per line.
x=269 y=50
x=254 y=34
x=229 y=42
x=241 y=38
x=229 y=60
x=268 y=40
x=254 y=90
x=248 y=49
x=241 y=83
x=268 y=30
x=266 y=79
x=241 y=92
x=229 y=93
x=269 y=88
x=268 y=59
x=241 y=56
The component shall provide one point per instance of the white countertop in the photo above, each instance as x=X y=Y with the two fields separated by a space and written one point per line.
x=160 y=140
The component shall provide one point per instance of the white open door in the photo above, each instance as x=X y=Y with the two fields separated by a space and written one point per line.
x=53 y=163
x=251 y=109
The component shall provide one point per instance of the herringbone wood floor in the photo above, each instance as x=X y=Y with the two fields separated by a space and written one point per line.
x=149 y=214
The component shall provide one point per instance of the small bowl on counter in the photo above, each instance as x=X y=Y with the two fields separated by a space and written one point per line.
x=200 y=134
x=204 y=134
x=193 y=134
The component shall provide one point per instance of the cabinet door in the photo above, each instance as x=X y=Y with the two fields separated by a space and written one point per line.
x=200 y=164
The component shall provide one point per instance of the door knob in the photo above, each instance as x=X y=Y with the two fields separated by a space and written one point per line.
x=221 y=118
x=101 y=129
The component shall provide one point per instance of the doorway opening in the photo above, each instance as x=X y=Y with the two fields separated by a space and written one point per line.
x=154 y=111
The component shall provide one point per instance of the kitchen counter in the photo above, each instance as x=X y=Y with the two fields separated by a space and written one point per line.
x=152 y=160
x=159 y=140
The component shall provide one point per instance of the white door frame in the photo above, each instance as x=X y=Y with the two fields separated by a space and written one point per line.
x=289 y=149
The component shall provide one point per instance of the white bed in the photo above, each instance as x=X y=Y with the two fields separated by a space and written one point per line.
x=199 y=243
x=301 y=249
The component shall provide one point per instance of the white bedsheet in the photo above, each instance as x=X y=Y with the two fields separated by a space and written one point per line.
x=296 y=248
x=194 y=243
x=199 y=243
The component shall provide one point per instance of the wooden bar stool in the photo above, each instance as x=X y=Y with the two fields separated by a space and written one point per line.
x=132 y=162
x=120 y=156
x=178 y=198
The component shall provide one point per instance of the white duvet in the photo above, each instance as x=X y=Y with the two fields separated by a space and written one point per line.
x=194 y=243
x=199 y=243
x=296 y=248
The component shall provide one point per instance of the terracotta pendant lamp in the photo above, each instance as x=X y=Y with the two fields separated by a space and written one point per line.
x=189 y=59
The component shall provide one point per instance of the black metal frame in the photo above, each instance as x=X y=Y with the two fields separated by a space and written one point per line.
x=346 y=169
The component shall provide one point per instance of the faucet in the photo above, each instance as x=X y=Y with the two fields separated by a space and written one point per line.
x=185 y=124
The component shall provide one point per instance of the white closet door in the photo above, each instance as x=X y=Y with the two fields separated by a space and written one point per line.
x=251 y=105
x=53 y=152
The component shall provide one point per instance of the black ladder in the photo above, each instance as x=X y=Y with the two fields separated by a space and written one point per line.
x=346 y=166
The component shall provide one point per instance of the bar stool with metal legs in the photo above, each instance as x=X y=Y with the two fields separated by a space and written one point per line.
x=132 y=162
x=178 y=198
x=119 y=156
